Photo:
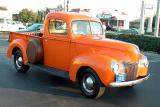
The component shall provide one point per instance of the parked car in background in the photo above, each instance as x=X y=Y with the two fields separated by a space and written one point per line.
x=135 y=29
x=19 y=25
x=37 y=27
x=128 y=32
x=132 y=31
x=9 y=25
x=112 y=33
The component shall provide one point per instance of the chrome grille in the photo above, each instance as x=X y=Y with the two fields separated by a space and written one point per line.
x=130 y=70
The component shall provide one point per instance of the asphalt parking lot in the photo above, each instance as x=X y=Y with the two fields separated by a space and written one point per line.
x=40 y=89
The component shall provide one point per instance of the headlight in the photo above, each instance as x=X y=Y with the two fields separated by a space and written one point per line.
x=115 y=67
x=145 y=61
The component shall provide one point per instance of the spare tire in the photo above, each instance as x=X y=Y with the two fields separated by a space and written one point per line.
x=34 y=51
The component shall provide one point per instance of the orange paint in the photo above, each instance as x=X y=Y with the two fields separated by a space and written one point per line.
x=70 y=52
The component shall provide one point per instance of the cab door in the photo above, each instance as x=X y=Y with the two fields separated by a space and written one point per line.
x=57 y=45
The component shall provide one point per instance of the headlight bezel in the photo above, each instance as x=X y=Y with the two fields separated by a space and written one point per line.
x=115 y=67
x=145 y=61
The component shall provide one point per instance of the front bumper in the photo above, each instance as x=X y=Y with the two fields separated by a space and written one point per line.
x=128 y=83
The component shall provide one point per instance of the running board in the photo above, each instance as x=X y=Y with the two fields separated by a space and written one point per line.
x=52 y=71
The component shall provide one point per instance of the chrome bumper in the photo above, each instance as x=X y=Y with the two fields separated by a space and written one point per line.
x=128 y=83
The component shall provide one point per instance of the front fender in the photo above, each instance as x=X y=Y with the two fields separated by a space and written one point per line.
x=99 y=63
x=21 y=44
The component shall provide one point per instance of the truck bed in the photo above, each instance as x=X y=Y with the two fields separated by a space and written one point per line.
x=25 y=36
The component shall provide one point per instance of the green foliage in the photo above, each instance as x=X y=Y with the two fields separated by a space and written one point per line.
x=41 y=15
x=27 y=16
x=145 y=43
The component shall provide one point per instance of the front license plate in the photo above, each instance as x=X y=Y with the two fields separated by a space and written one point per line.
x=120 y=77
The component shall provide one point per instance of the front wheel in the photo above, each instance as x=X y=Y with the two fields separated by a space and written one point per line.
x=18 y=62
x=90 y=85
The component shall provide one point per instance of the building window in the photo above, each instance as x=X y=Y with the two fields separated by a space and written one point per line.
x=113 y=23
x=121 y=23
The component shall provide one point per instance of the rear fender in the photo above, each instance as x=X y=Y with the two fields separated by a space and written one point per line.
x=21 y=44
x=99 y=63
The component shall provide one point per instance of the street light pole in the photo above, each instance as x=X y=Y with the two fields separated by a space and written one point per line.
x=141 y=30
x=64 y=5
x=157 y=20
x=67 y=5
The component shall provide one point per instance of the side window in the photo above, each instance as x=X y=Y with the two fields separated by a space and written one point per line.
x=57 y=27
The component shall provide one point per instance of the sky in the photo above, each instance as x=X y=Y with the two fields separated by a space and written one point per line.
x=131 y=7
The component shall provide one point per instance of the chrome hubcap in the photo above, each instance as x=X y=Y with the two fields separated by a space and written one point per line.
x=19 y=62
x=88 y=83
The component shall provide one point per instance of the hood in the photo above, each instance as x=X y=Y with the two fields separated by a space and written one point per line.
x=113 y=48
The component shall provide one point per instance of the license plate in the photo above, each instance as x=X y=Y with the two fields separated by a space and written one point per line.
x=120 y=77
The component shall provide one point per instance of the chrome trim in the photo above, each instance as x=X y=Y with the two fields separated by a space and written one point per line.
x=128 y=83
x=137 y=48
x=131 y=70
x=138 y=52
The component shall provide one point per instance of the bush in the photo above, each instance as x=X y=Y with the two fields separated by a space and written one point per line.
x=145 y=43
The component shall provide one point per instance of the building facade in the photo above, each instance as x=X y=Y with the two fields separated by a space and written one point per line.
x=114 y=19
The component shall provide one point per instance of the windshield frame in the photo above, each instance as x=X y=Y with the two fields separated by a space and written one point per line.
x=89 y=21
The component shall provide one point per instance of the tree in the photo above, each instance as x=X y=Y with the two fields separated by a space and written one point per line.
x=60 y=7
x=27 y=16
x=46 y=11
x=3 y=8
x=41 y=15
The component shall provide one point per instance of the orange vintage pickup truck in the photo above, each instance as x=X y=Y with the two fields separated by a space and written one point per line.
x=74 y=46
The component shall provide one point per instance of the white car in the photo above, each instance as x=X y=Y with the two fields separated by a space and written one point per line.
x=9 y=25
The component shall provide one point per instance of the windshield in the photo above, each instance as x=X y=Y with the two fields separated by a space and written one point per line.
x=87 y=28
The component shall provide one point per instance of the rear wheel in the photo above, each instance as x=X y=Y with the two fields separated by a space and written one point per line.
x=18 y=62
x=90 y=85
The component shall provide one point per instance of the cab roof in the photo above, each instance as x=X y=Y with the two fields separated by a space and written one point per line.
x=72 y=16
